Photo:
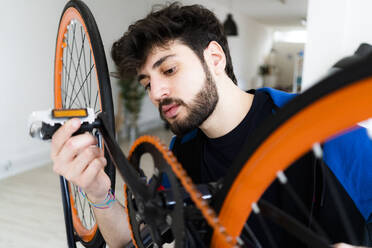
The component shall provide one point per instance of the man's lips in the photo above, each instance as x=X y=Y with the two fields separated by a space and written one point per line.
x=170 y=110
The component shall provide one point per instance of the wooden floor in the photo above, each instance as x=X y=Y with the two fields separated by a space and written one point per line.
x=31 y=212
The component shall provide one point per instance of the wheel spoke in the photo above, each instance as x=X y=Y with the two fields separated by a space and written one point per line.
x=91 y=214
x=335 y=195
x=81 y=207
x=266 y=229
x=95 y=102
x=72 y=92
x=71 y=57
x=253 y=237
x=64 y=69
x=76 y=68
x=85 y=80
x=299 y=203
x=90 y=80
x=85 y=63
x=67 y=51
x=78 y=57
x=292 y=225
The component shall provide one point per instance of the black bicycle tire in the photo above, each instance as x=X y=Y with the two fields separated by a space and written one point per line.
x=331 y=83
x=106 y=100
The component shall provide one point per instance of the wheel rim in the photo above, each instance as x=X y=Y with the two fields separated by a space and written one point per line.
x=76 y=86
x=352 y=101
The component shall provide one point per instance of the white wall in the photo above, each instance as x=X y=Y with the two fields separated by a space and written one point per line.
x=333 y=35
x=285 y=55
x=27 y=37
x=27 y=42
x=249 y=49
x=335 y=29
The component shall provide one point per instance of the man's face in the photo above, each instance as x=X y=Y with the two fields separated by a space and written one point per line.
x=180 y=85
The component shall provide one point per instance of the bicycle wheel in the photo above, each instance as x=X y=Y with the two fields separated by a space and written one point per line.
x=335 y=104
x=81 y=80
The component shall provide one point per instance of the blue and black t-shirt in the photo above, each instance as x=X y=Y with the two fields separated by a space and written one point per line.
x=207 y=160
x=218 y=154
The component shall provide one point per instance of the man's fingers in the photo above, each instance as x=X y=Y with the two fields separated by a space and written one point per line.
x=63 y=134
x=79 y=164
x=75 y=146
x=92 y=170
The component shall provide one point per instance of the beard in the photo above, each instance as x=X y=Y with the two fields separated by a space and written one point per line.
x=198 y=110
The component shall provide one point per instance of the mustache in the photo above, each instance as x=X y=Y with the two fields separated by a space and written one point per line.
x=167 y=101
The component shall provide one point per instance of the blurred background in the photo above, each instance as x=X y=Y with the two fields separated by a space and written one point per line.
x=285 y=44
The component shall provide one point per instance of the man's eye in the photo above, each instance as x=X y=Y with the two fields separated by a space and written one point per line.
x=147 y=86
x=170 y=71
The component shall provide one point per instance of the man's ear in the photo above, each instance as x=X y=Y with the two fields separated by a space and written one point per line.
x=215 y=57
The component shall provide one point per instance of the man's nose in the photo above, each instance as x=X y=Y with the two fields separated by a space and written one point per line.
x=159 y=90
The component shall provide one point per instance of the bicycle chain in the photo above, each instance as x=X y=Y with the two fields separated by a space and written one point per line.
x=208 y=213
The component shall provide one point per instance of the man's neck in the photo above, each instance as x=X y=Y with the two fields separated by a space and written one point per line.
x=233 y=105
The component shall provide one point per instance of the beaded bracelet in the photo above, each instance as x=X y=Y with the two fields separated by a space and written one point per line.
x=110 y=198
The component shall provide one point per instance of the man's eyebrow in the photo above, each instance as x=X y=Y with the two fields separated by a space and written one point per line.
x=161 y=60
x=155 y=65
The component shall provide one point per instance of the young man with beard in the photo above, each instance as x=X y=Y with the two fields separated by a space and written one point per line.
x=181 y=56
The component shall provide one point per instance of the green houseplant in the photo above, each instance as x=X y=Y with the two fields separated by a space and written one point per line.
x=132 y=94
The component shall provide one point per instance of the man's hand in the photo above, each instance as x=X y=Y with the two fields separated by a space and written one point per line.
x=80 y=161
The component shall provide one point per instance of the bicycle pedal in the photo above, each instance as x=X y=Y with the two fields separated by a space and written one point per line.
x=43 y=124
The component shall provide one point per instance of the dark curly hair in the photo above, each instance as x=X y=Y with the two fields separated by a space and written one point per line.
x=195 y=26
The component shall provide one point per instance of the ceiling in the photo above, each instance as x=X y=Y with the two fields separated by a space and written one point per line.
x=271 y=12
